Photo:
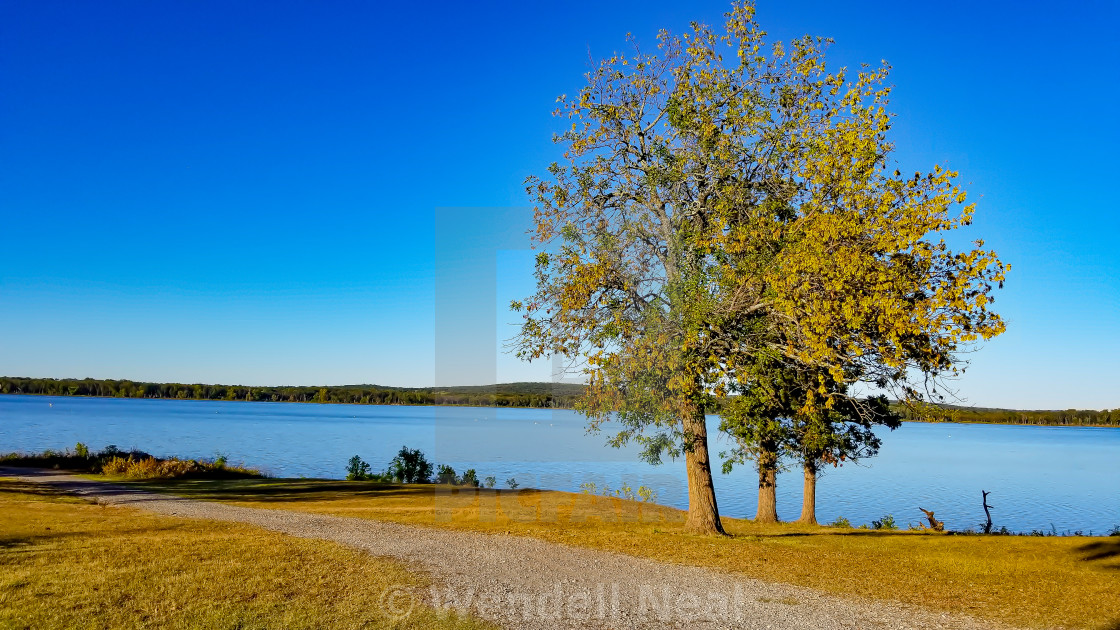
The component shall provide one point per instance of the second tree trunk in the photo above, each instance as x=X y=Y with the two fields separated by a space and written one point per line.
x=809 y=496
x=767 y=488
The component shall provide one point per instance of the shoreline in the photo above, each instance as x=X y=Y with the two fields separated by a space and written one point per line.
x=361 y=404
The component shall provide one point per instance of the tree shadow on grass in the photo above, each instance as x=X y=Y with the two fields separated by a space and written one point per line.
x=1106 y=552
x=11 y=542
x=26 y=543
x=865 y=533
x=27 y=487
x=272 y=491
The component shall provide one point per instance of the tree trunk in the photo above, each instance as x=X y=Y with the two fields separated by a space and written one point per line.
x=703 y=515
x=809 y=495
x=767 y=488
x=988 y=525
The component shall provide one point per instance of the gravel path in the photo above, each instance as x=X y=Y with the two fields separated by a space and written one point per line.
x=527 y=583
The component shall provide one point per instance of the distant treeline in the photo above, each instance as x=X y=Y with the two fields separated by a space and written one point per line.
x=540 y=395
x=544 y=395
x=1067 y=418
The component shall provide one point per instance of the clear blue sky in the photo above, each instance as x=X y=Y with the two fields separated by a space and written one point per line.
x=260 y=193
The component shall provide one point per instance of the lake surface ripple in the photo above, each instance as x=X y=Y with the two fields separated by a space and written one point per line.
x=1040 y=478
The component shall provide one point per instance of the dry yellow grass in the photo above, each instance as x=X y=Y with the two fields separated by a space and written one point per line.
x=1026 y=581
x=66 y=563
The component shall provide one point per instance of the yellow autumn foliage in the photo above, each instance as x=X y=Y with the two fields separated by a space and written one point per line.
x=171 y=468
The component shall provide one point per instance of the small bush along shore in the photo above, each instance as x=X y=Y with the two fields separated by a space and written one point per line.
x=412 y=466
x=113 y=462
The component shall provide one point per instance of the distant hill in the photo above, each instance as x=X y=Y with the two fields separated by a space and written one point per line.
x=560 y=395
x=523 y=387
x=988 y=415
x=564 y=389
x=540 y=395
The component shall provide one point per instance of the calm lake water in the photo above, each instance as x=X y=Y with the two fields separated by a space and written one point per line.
x=1039 y=477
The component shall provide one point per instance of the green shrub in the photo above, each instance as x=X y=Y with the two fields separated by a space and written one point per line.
x=512 y=483
x=469 y=478
x=841 y=522
x=410 y=466
x=885 y=523
x=447 y=475
x=490 y=482
x=356 y=469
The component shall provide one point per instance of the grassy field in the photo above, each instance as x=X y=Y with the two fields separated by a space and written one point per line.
x=1026 y=581
x=67 y=563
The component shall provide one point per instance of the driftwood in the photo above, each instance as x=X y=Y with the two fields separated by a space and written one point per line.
x=984 y=497
x=934 y=524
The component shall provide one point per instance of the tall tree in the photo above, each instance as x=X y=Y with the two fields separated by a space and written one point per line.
x=629 y=278
x=718 y=200
x=846 y=257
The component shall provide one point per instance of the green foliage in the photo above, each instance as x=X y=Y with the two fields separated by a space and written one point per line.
x=446 y=474
x=357 y=469
x=469 y=478
x=511 y=483
x=81 y=450
x=885 y=523
x=546 y=395
x=841 y=522
x=769 y=419
x=916 y=412
x=625 y=492
x=758 y=418
x=410 y=466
